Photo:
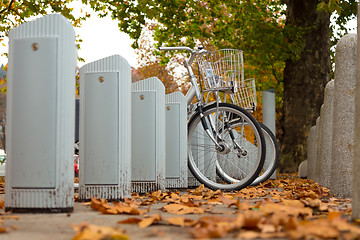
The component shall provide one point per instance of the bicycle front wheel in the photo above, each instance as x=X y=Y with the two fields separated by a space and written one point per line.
x=237 y=156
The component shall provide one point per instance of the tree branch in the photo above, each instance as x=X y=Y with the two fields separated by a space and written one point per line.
x=8 y=8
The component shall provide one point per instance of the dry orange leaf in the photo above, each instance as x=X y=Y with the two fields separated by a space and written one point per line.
x=289 y=209
x=130 y=221
x=149 y=221
x=213 y=219
x=212 y=202
x=117 y=208
x=312 y=230
x=2 y=230
x=98 y=205
x=180 y=221
x=293 y=203
x=2 y=204
x=227 y=200
x=248 y=235
x=198 y=191
x=124 y=208
x=9 y=217
x=185 y=198
x=88 y=231
x=182 y=209
x=211 y=231
x=252 y=219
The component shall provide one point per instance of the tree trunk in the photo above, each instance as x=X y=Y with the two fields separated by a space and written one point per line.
x=304 y=80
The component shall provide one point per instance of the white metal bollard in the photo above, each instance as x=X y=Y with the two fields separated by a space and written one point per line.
x=176 y=141
x=148 y=135
x=105 y=129
x=269 y=120
x=40 y=116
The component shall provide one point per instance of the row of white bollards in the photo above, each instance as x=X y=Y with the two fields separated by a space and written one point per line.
x=132 y=136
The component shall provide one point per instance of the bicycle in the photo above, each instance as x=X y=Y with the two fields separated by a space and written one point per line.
x=226 y=146
x=228 y=63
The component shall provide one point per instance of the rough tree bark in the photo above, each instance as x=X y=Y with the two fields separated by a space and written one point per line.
x=304 y=80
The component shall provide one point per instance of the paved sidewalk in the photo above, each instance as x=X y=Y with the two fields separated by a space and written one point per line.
x=274 y=209
x=59 y=226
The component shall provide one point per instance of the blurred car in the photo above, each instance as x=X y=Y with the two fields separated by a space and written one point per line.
x=2 y=162
x=76 y=165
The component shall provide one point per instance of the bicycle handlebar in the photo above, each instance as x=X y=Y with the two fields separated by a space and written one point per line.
x=193 y=52
x=187 y=63
x=175 y=48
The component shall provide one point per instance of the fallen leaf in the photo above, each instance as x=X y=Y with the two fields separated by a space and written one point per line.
x=98 y=205
x=180 y=221
x=248 y=235
x=290 y=210
x=227 y=200
x=130 y=221
x=252 y=219
x=182 y=209
x=149 y=221
x=209 y=232
x=88 y=231
x=2 y=230
x=9 y=217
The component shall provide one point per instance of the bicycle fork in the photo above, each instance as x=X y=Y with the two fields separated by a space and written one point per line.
x=216 y=138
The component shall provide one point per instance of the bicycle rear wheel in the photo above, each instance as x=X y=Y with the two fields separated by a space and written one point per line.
x=239 y=153
x=271 y=157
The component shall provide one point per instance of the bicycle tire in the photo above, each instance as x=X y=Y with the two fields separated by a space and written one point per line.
x=204 y=159
x=271 y=158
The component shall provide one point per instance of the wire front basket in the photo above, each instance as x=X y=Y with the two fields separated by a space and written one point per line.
x=245 y=96
x=223 y=71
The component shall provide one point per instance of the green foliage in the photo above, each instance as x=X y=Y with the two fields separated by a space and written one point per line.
x=343 y=11
x=257 y=27
x=3 y=78
x=14 y=13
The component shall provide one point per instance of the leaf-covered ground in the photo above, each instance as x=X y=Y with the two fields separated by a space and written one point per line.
x=286 y=208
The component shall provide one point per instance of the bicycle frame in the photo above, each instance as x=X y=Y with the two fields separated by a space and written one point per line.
x=194 y=91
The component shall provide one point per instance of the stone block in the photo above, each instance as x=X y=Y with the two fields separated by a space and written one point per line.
x=343 y=117
x=356 y=162
x=326 y=136
x=311 y=153
x=302 y=170
x=319 y=130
